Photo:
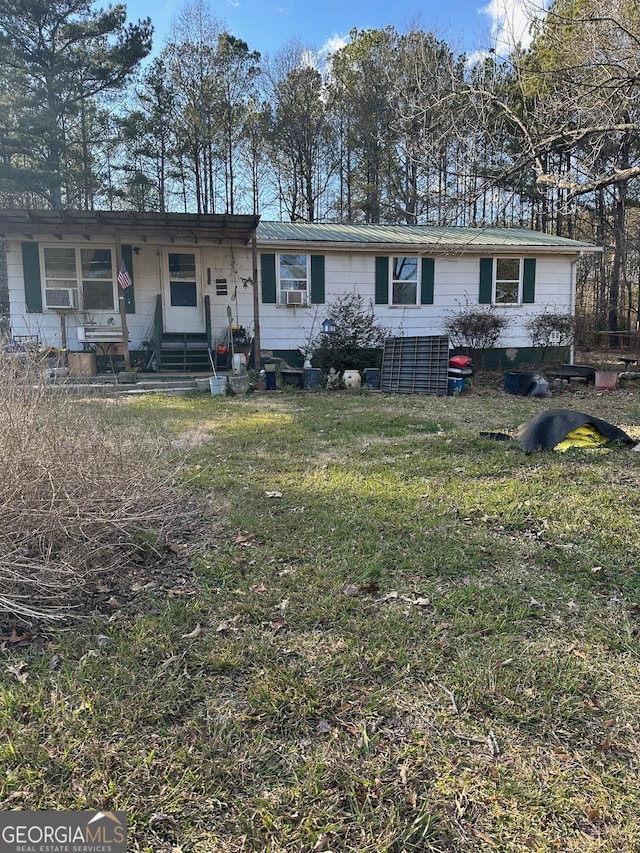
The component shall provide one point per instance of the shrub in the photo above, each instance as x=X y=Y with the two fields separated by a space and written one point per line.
x=551 y=331
x=357 y=342
x=78 y=492
x=476 y=328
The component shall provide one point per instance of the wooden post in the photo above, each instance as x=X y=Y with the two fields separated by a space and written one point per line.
x=257 y=363
x=123 y=310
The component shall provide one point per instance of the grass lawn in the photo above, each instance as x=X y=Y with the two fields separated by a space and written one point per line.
x=388 y=634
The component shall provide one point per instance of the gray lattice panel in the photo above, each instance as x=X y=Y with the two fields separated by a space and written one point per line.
x=415 y=365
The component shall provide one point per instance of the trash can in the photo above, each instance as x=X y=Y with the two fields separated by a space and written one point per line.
x=270 y=377
x=371 y=377
x=312 y=378
x=516 y=382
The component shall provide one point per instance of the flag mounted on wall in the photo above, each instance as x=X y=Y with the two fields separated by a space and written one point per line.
x=124 y=279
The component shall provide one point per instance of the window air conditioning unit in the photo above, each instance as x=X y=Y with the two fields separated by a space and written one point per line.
x=295 y=297
x=61 y=297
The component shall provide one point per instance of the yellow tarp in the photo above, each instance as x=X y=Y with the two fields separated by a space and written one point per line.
x=585 y=437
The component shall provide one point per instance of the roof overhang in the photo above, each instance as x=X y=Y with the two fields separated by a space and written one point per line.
x=429 y=249
x=146 y=227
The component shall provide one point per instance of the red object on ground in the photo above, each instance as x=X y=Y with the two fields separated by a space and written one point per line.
x=460 y=361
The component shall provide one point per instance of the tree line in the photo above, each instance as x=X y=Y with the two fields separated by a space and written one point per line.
x=394 y=127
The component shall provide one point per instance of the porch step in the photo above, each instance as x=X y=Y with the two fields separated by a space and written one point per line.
x=186 y=352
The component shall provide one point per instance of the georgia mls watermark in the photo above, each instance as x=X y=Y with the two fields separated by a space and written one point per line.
x=63 y=832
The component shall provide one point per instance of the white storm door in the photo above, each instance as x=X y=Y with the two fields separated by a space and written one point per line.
x=183 y=300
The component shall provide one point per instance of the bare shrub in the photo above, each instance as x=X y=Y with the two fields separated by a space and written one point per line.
x=551 y=331
x=78 y=493
x=475 y=328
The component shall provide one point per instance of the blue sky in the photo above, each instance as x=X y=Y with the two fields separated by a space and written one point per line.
x=268 y=25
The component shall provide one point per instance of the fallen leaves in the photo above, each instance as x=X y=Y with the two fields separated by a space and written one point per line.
x=17 y=670
x=170 y=661
x=192 y=634
x=420 y=601
x=323 y=727
x=14 y=637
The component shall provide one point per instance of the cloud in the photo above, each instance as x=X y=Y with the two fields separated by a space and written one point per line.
x=332 y=45
x=511 y=21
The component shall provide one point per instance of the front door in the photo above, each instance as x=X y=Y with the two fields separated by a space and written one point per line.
x=183 y=301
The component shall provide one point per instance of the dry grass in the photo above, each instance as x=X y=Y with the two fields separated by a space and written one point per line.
x=80 y=494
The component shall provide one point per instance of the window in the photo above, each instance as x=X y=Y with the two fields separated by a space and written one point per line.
x=78 y=278
x=182 y=280
x=97 y=279
x=293 y=275
x=404 y=281
x=507 y=279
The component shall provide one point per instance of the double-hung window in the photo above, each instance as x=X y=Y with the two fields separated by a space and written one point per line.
x=293 y=279
x=507 y=281
x=79 y=278
x=404 y=281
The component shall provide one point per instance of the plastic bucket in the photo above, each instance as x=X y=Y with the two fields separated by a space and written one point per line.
x=218 y=385
x=606 y=380
x=455 y=385
x=518 y=383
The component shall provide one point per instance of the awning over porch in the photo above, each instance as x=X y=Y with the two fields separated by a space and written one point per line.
x=146 y=227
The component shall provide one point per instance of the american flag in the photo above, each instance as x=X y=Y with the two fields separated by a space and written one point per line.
x=124 y=279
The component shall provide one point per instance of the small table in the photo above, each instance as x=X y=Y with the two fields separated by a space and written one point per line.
x=627 y=361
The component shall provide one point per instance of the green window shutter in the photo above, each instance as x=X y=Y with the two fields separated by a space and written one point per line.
x=268 y=270
x=129 y=292
x=382 y=281
x=486 y=281
x=426 y=281
x=317 y=279
x=529 y=280
x=32 y=280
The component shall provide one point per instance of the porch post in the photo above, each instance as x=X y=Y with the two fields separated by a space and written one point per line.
x=123 y=309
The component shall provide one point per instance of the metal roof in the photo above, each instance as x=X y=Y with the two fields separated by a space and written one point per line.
x=430 y=238
x=212 y=226
x=167 y=226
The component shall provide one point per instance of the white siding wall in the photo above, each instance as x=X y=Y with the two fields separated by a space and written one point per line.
x=149 y=275
x=456 y=283
x=288 y=328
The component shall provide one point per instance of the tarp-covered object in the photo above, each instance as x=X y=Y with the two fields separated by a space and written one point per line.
x=549 y=428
